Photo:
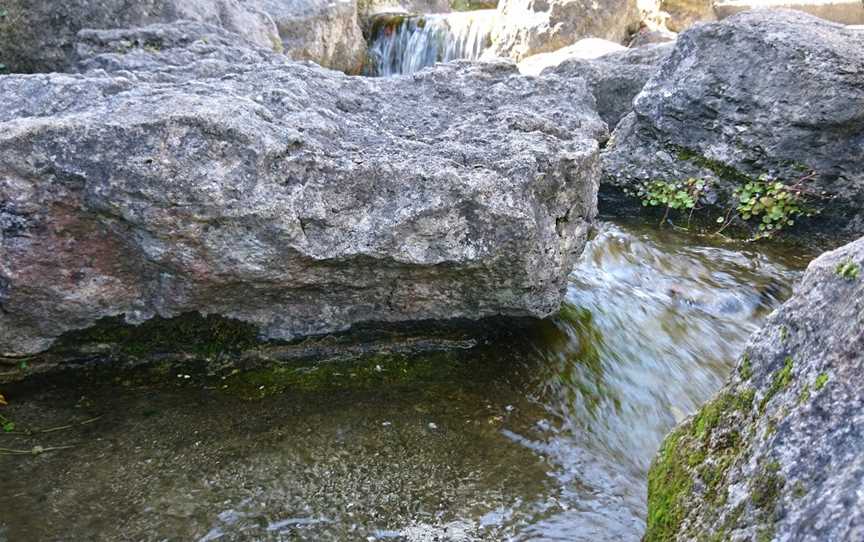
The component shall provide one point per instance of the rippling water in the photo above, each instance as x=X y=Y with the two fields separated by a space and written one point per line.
x=546 y=434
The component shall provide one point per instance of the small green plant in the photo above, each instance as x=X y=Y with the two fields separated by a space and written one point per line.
x=745 y=370
x=773 y=203
x=6 y=424
x=849 y=270
x=821 y=380
x=680 y=196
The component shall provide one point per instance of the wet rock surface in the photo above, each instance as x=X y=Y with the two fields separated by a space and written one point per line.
x=776 y=454
x=766 y=92
x=174 y=179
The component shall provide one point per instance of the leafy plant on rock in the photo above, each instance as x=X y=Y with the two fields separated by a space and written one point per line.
x=849 y=270
x=679 y=196
x=773 y=203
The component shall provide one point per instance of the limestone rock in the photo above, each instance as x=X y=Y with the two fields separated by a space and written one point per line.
x=197 y=173
x=684 y=13
x=529 y=27
x=776 y=455
x=39 y=35
x=615 y=78
x=324 y=31
x=778 y=93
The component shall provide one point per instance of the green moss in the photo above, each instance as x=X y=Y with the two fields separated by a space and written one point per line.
x=689 y=451
x=727 y=173
x=370 y=372
x=745 y=370
x=799 y=490
x=820 y=382
x=765 y=534
x=711 y=414
x=784 y=333
x=805 y=395
x=189 y=333
x=849 y=270
x=782 y=379
x=766 y=487
x=771 y=427
x=765 y=491
x=669 y=484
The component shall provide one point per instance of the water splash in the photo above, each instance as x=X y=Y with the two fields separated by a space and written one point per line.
x=404 y=45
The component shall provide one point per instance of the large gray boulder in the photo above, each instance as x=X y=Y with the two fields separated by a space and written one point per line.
x=39 y=35
x=528 y=27
x=188 y=172
x=777 y=454
x=764 y=92
x=615 y=78
x=324 y=31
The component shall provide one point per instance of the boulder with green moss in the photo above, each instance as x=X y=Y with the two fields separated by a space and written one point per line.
x=776 y=93
x=776 y=455
x=187 y=171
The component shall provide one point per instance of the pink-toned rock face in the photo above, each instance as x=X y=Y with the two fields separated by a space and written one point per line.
x=66 y=267
x=213 y=177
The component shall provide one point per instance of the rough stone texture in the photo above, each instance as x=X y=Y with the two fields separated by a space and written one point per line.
x=777 y=454
x=684 y=13
x=173 y=178
x=157 y=51
x=529 y=27
x=777 y=93
x=39 y=35
x=616 y=78
x=839 y=11
x=324 y=31
x=647 y=36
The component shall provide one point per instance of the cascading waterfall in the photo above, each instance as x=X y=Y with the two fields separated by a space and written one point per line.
x=403 y=45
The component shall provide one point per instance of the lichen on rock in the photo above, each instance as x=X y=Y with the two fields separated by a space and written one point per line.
x=775 y=454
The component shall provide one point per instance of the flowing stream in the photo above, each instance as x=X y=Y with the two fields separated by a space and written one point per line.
x=405 y=44
x=546 y=434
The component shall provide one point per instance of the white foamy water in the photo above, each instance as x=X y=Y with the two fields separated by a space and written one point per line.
x=406 y=45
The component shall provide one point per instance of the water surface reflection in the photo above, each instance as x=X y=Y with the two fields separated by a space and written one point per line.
x=544 y=435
